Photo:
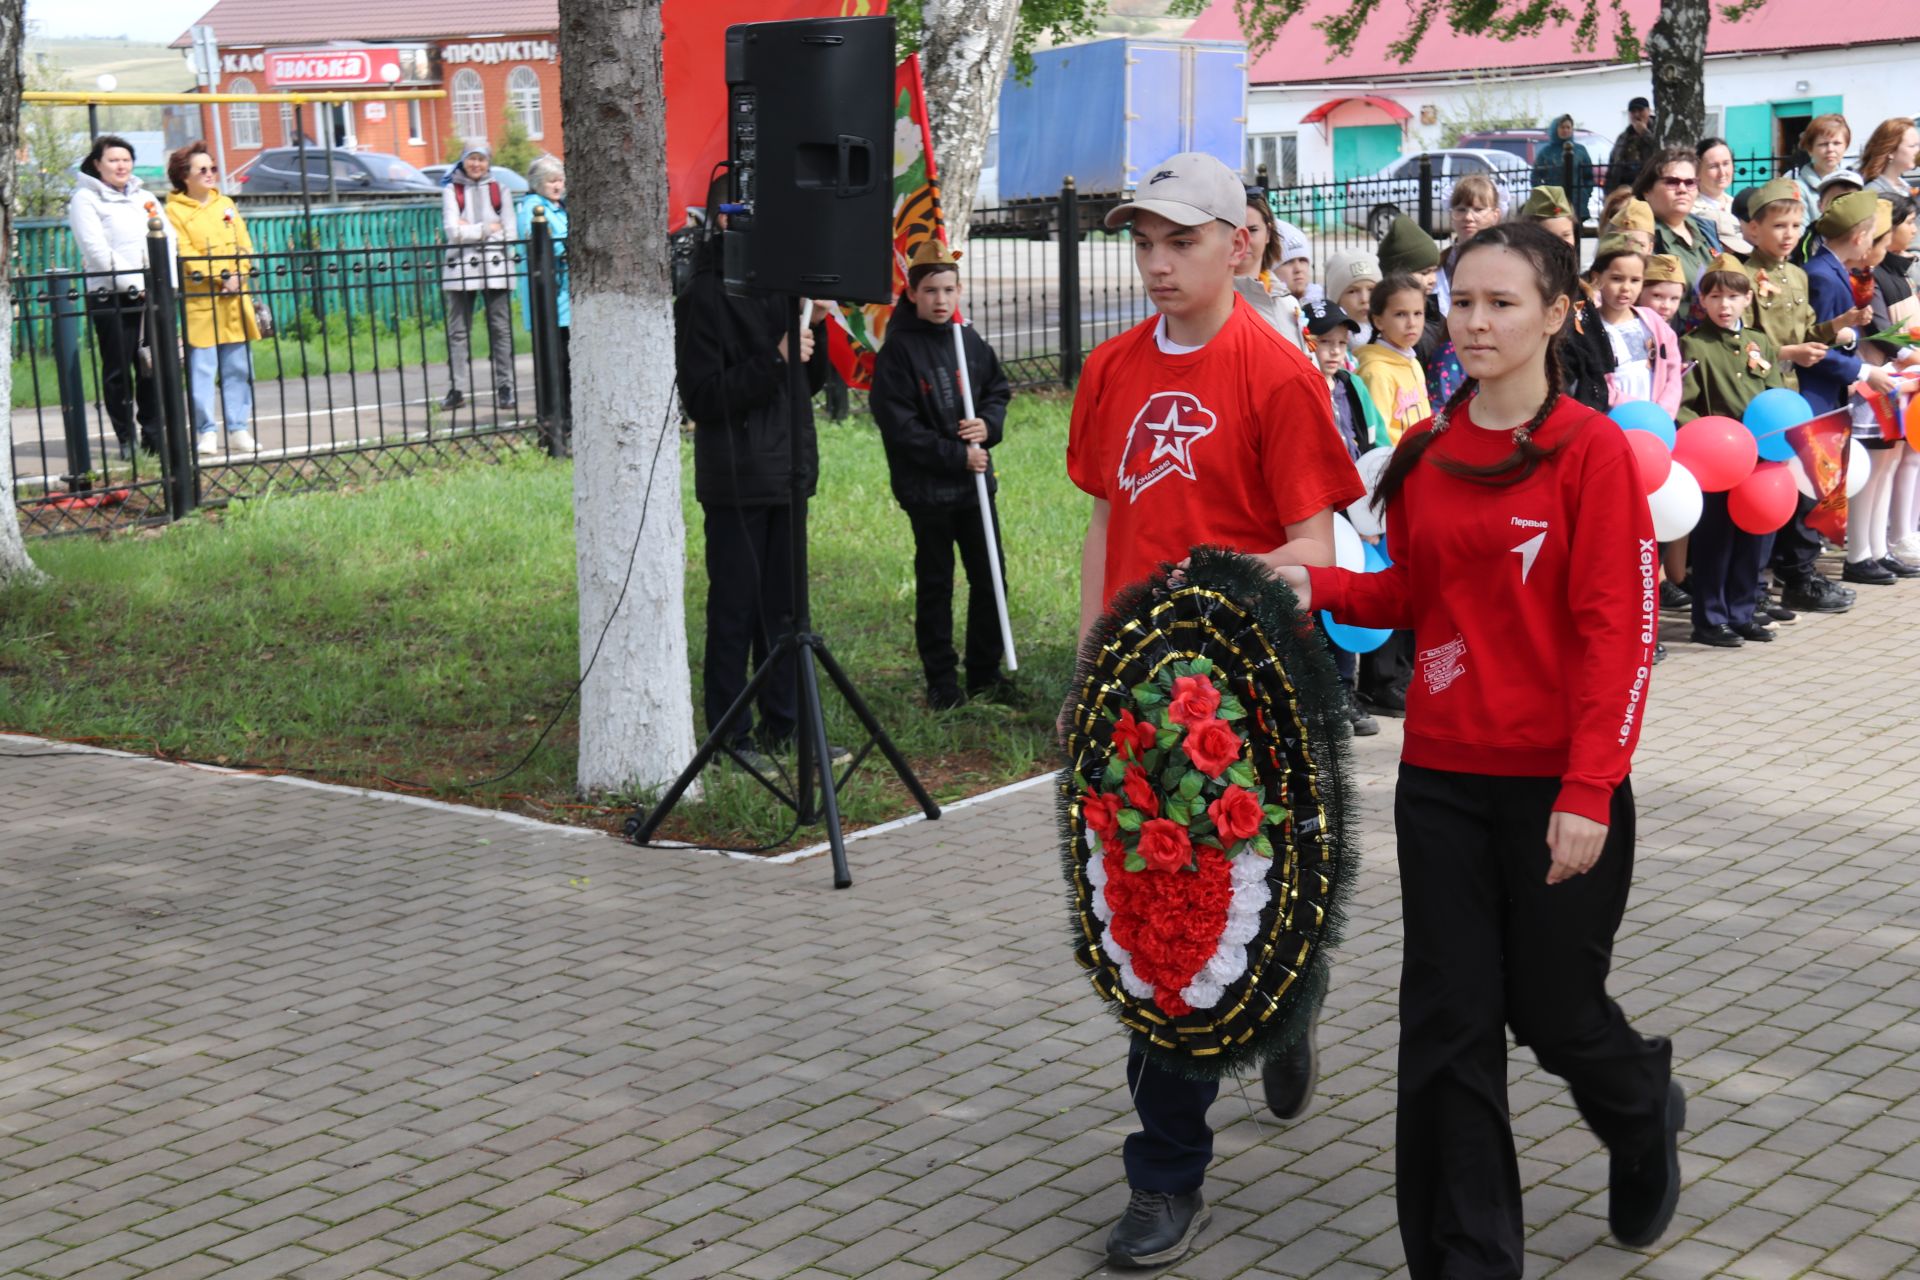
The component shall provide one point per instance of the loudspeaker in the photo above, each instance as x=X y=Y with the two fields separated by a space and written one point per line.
x=810 y=141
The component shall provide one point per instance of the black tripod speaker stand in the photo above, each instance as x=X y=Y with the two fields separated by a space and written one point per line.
x=805 y=646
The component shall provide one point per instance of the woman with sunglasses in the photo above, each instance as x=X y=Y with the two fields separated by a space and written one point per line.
x=215 y=261
x=1670 y=184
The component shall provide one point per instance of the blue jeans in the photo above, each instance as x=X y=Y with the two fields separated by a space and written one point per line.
x=235 y=365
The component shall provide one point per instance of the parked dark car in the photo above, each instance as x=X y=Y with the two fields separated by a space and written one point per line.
x=276 y=172
x=1526 y=145
x=508 y=179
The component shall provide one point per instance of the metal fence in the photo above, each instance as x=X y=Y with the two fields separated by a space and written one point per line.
x=129 y=390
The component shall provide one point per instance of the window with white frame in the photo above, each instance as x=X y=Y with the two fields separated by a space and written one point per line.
x=469 y=106
x=243 y=118
x=289 y=133
x=416 y=131
x=1280 y=152
x=523 y=98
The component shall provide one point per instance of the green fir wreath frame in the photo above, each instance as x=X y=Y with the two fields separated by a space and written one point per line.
x=1228 y=609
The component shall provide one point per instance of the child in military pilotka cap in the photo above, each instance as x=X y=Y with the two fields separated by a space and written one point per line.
x=1732 y=362
x=1549 y=207
x=1781 y=307
x=1634 y=221
x=1664 y=288
x=933 y=450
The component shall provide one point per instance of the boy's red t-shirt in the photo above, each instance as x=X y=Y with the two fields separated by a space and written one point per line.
x=1225 y=446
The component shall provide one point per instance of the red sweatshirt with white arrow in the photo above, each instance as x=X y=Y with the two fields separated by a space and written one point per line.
x=1534 y=607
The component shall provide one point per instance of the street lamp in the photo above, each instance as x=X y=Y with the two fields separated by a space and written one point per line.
x=107 y=84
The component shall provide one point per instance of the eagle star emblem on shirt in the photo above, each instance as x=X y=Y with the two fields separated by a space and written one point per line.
x=1160 y=441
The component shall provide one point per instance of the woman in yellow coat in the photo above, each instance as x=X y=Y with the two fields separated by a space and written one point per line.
x=214 y=249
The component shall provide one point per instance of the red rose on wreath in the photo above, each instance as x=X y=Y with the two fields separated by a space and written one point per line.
x=1103 y=817
x=1194 y=700
x=1212 y=745
x=1237 y=814
x=1133 y=738
x=1165 y=845
x=1140 y=793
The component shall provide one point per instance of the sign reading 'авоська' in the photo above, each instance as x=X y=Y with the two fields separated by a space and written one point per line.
x=331 y=67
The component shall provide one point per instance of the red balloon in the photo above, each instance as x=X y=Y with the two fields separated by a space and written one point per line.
x=1913 y=418
x=1719 y=451
x=1650 y=454
x=1765 y=500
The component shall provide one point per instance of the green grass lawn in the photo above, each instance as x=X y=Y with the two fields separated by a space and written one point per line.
x=419 y=633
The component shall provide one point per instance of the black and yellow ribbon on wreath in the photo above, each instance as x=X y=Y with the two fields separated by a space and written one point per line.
x=1203 y=813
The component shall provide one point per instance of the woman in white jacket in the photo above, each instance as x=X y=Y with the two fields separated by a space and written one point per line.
x=478 y=215
x=108 y=213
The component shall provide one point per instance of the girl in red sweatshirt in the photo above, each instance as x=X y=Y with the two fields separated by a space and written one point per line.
x=1525 y=565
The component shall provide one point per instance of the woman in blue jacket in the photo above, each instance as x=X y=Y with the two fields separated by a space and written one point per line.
x=547 y=183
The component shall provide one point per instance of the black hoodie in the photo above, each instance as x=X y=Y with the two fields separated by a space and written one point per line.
x=916 y=402
x=734 y=387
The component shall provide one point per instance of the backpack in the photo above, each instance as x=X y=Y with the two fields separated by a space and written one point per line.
x=460 y=195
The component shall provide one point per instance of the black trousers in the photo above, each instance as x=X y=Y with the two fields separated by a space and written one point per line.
x=1796 y=548
x=1388 y=669
x=124 y=382
x=1490 y=945
x=1171 y=1150
x=750 y=602
x=1725 y=563
x=936 y=532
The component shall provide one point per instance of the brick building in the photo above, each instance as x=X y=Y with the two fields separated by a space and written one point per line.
x=494 y=60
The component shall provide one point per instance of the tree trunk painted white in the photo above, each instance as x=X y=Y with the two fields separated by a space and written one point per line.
x=964 y=51
x=636 y=708
x=1677 y=49
x=15 y=565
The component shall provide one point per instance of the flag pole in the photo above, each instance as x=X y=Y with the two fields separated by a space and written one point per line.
x=986 y=506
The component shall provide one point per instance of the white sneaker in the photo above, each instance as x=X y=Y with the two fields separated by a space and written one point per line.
x=242 y=441
x=208 y=445
x=1907 y=548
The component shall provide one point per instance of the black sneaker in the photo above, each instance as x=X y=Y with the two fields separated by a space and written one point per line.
x=1816 y=595
x=836 y=756
x=1775 y=610
x=1156 y=1228
x=754 y=760
x=1288 y=1077
x=1364 y=725
x=453 y=399
x=1000 y=691
x=945 y=697
x=503 y=397
x=1674 y=597
x=1643 y=1193
x=1388 y=702
x=1659 y=653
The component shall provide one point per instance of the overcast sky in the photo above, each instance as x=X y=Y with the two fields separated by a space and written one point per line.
x=153 y=20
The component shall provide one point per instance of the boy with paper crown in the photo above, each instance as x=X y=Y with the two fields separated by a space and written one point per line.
x=1732 y=362
x=933 y=451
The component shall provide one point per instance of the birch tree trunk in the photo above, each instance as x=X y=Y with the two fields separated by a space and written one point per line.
x=14 y=563
x=636 y=708
x=1677 y=49
x=964 y=52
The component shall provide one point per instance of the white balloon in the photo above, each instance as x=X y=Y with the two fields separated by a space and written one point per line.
x=1675 y=505
x=1801 y=480
x=1372 y=465
x=1859 y=467
x=1348 y=551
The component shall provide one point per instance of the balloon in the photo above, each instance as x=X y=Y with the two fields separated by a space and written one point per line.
x=1349 y=552
x=1913 y=419
x=1353 y=639
x=1371 y=466
x=1768 y=416
x=1859 y=467
x=1798 y=470
x=1651 y=456
x=1644 y=415
x=1765 y=500
x=1377 y=558
x=1676 y=504
x=1719 y=451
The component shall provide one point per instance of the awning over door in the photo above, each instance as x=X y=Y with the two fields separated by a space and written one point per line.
x=1395 y=112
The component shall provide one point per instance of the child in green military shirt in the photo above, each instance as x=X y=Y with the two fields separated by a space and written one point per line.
x=1781 y=308
x=1732 y=363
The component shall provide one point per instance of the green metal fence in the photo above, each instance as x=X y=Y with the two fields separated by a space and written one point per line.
x=353 y=239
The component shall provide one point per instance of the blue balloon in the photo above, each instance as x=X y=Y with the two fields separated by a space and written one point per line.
x=1353 y=639
x=1644 y=415
x=1768 y=416
x=1376 y=553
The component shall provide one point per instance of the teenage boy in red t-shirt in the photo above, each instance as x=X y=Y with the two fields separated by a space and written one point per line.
x=1201 y=425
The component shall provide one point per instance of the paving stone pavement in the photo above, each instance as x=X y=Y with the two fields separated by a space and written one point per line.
x=249 y=1029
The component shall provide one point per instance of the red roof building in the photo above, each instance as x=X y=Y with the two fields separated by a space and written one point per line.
x=496 y=61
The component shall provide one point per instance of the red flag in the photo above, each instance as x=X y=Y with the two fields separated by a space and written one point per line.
x=855 y=337
x=693 y=66
x=1885 y=412
x=1823 y=445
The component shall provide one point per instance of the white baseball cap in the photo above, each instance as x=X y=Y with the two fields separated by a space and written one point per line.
x=1191 y=188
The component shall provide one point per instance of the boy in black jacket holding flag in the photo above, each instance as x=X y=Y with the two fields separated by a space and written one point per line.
x=933 y=452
